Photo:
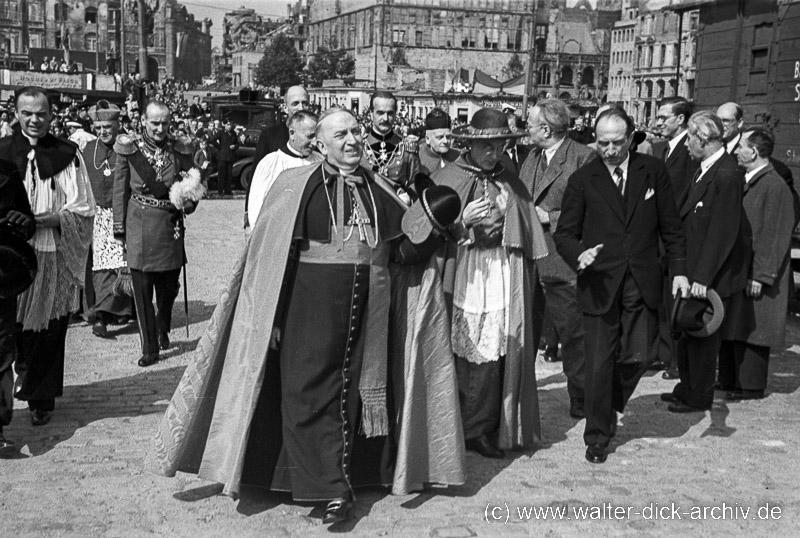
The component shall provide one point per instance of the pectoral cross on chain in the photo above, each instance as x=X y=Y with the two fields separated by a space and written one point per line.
x=357 y=220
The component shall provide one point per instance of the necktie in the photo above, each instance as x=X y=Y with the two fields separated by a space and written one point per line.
x=619 y=179
x=666 y=152
x=543 y=161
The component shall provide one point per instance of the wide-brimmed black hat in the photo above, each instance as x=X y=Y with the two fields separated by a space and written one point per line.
x=698 y=317
x=17 y=264
x=437 y=208
x=487 y=124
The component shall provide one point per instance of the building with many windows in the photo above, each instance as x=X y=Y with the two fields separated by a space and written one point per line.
x=178 y=46
x=648 y=60
x=425 y=42
x=22 y=25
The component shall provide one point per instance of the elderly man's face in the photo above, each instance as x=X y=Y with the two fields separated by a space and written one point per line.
x=302 y=136
x=486 y=153
x=613 y=141
x=296 y=99
x=745 y=153
x=731 y=125
x=438 y=140
x=339 y=140
x=156 y=122
x=695 y=144
x=33 y=114
x=106 y=131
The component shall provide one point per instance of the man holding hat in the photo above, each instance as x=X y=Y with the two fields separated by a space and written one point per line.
x=61 y=199
x=306 y=411
x=16 y=219
x=714 y=224
x=150 y=224
x=436 y=153
x=106 y=259
x=489 y=278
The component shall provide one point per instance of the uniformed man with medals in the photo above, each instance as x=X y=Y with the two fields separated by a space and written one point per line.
x=385 y=152
x=150 y=225
x=106 y=258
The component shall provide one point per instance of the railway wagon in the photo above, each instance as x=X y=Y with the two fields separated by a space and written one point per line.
x=748 y=51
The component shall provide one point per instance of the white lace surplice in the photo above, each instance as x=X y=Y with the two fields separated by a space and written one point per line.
x=481 y=298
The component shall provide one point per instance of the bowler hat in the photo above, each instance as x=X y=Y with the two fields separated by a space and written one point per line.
x=437 y=208
x=17 y=264
x=487 y=124
x=698 y=317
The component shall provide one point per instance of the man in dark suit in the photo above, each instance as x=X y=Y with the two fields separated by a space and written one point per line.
x=672 y=119
x=715 y=254
x=202 y=160
x=614 y=211
x=195 y=110
x=732 y=117
x=225 y=142
x=545 y=175
x=276 y=136
x=756 y=317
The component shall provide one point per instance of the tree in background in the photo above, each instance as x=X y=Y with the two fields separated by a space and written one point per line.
x=514 y=67
x=280 y=66
x=327 y=64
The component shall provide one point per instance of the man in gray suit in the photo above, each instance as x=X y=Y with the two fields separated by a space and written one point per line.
x=545 y=173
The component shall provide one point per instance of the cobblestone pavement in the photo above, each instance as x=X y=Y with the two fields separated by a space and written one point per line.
x=83 y=474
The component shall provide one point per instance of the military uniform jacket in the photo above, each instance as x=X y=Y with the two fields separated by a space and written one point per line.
x=147 y=221
x=101 y=163
x=392 y=158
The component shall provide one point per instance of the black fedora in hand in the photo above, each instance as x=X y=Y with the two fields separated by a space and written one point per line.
x=698 y=317
x=437 y=208
x=17 y=264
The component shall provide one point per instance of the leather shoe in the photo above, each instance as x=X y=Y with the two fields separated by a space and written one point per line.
x=6 y=447
x=669 y=397
x=576 y=408
x=551 y=354
x=658 y=365
x=99 y=329
x=40 y=417
x=742 y=394
x=163 y=340
x=484 y=447
x=337 y=510
x=596 y=454
x=681 y=407
x=148 y=359
x=671 y=373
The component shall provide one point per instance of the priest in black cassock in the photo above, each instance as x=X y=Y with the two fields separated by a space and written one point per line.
x=55 y=180
x=288 y=390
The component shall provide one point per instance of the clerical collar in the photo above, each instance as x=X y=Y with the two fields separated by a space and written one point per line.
x=31 y=140
x=293 y=152
x=383 y=138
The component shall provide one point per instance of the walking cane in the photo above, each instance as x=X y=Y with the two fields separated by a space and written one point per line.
x=185 y=291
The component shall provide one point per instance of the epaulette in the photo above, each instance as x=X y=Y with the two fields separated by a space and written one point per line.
x=125 y=145
x=183 y=144
x=411 y=143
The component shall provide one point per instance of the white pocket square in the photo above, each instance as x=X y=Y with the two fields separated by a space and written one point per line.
x=649 y=194
x=699 y=205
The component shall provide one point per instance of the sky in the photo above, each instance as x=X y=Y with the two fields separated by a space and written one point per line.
x=216 y=9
